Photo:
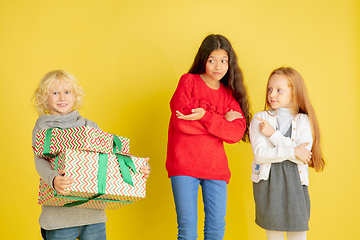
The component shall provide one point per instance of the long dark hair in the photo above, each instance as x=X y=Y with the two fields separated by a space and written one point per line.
x=233 y=78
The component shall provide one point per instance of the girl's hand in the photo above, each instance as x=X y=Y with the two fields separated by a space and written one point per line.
x=232 y=115
x=61 y=183
x=196 y=114
x=146 y=169
x=302 y=153
x=265 y=127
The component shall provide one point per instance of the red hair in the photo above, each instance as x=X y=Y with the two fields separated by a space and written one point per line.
x=302 y=104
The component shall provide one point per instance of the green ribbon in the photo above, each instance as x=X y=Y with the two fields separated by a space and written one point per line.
x=117 y=143
x=82 y=200
x=102 y=173
x=78 y=200
x=47 y=141
x=56 y=166
x=125 y=162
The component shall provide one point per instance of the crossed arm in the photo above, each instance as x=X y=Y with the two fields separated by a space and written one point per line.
x=280 y=150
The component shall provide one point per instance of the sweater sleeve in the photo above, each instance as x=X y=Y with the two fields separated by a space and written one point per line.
x=280 y=140
x=91 y=124
x=181 y=101
x=264 y=151
x=228 y=131
x=42 y=166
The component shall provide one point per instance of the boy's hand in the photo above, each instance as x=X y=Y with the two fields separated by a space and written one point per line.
x=146 y=169
x=61 y=183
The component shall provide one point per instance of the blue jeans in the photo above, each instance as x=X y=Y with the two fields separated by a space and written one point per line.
x=87 y=232
x=185 y=190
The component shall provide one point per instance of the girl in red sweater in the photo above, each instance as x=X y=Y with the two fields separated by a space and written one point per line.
x=210 y=106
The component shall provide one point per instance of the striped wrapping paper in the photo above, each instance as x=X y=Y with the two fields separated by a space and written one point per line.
x=84 y=168
x=79 y=138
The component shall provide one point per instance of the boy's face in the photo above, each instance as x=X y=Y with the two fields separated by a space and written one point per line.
x=61 y=99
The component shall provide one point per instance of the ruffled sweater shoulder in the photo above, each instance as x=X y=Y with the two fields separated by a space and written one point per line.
x=195 y=148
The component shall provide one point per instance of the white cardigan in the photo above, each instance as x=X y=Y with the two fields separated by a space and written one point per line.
x=278 y=148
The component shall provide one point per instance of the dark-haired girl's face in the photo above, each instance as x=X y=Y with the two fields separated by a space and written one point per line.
x=216 y=67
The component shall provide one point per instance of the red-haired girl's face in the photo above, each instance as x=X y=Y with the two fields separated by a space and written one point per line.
x=279 y=93
x=61 y=99
x=216 y=67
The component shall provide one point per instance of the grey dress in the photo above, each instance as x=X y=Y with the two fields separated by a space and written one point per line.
x=282 y=203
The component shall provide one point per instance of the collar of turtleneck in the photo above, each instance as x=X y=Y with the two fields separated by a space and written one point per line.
x=284 y=112
x=284 y=118
x=70 y=120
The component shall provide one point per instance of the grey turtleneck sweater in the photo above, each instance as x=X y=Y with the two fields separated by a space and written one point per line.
x=62 y=217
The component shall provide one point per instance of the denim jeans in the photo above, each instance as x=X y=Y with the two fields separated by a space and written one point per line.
x=185 y=190
x=86 y=232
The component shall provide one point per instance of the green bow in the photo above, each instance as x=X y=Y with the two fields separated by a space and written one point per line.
x=125 y=162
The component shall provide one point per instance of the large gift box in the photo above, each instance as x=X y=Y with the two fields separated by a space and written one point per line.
x=50 y=142
x=102 y=180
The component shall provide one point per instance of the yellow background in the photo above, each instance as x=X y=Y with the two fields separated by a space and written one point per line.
x=128 y=57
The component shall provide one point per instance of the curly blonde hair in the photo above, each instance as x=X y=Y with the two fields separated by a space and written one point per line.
x=45 y=87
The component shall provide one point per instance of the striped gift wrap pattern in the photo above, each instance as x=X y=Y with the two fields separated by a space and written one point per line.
x=79 y=138
x=83 y=167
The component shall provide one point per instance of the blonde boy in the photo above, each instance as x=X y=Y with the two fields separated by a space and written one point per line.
x=57 y=99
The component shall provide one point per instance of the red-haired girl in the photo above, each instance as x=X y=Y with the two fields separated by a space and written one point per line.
x=285 y=140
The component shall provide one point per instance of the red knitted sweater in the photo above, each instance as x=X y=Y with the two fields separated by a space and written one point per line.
x=195 y=148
